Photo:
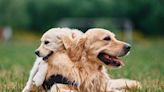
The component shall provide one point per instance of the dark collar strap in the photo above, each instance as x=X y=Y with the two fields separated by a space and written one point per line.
x=47 y=84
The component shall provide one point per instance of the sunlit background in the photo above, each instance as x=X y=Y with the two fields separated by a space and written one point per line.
x=139 y=22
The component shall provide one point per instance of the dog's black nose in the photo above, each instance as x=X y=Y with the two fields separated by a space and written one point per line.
x=127 y=47
x=37 y=52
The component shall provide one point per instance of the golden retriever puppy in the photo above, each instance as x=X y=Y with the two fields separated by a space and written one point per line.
x=62 y=70
x=51 y=42
x=85 y=71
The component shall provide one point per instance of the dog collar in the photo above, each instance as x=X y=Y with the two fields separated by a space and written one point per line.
x=47 y=84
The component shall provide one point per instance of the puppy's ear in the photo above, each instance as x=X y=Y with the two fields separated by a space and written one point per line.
x=67 y=41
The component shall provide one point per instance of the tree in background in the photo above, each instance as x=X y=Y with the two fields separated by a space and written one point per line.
x=146 y=15
x=14 y=13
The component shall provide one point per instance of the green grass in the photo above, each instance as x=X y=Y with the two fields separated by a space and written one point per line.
x=16 y=59
x=145 y=63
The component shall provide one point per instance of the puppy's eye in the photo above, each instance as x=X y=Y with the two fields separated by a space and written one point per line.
x=107 y=38
x=46 y=42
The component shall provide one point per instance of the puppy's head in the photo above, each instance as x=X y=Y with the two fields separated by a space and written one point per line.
x=104 y=48
x=56 y=39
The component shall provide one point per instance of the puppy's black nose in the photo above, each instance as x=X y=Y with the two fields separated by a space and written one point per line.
x=127 y=47
x=37 y=52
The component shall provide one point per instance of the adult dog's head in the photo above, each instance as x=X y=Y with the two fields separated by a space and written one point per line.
x=56 y=39
x=104 y=48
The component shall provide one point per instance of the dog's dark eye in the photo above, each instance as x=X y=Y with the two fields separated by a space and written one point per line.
x=107 y=38
x=46 y=42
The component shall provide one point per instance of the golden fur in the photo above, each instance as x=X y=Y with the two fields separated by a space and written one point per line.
x=51 y=42
x=79 y=62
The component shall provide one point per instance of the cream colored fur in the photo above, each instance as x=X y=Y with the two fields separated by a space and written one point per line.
x=33 y=71
x=85 y=68
x=39 y=69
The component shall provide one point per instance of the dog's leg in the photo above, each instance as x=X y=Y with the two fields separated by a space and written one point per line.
x=123 y=84
x=32 y=74
x=41 y=74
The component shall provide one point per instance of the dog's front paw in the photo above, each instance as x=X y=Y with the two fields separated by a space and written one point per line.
x=138 y=84
x=133 y=84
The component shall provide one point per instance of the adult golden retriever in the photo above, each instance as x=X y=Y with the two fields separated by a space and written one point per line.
x=82 y=64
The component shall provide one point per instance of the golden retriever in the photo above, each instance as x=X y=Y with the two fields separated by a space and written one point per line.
x=51 y=42
x=83 y=61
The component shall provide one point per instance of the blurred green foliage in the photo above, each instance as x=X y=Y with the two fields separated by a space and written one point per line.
x=146 y=15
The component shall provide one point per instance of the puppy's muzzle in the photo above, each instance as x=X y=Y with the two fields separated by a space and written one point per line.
x=37 y=53
x=44 y=57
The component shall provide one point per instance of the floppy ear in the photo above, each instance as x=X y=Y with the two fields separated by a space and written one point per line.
x=72 y=42
x=67 y=41
x=81 y=41
x=77 y=48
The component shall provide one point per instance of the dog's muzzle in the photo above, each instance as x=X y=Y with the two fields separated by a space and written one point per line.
x=44 y=58
x=37 y=53
x=126 y=48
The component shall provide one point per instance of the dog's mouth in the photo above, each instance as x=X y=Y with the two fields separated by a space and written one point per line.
x=110 y=60
x=46 y=57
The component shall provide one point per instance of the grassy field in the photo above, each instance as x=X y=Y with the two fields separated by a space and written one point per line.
x=145 y=63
